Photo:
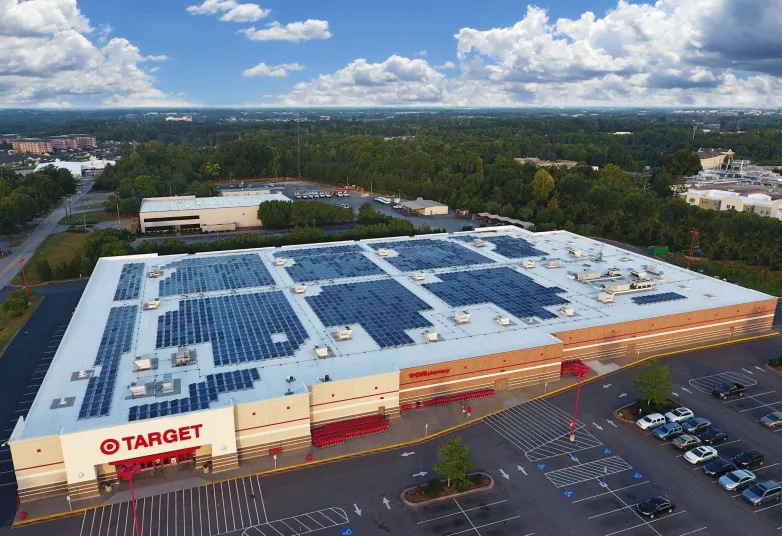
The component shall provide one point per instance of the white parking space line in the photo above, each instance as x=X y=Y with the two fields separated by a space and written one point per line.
x=587 y=471
x=457 y=513
x=488 y=525
x=768 y=507
x=761 y=405
x=648 y=523
x=705 y=384
x=693 y=531
x=612 y=511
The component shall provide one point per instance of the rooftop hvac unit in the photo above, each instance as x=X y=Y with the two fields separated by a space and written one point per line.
x=154 y=272
x=290 y=379
x=528 y=263
x=654 y=270
x=137 y=389
x=62 y=402
x=641 y=284
x=419 y=276
x=462 y=318
x=167 y=386
x=151 y=305
x=83 y=374
x=300 y=288
x=182 y=358
x=587 y=276
x=322 y=351
x=640 y=274
x=613 y=272
x=344 y=333
x=431 y=336
x=503 y=320
x=280 y=261
x=143 y=363
x=567 y=311
x=605 y=297
x=552 y=263
x=478 y=243
x=617 y=286
x=383 y=252
x=574 y=252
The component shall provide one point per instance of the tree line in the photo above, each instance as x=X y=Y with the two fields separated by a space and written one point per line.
x=26 y=197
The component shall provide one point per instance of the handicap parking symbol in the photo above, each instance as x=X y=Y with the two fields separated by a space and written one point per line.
x=570 y=494
x=542 y=466
x=637 y=475
x=347 y=532
x=606 y=451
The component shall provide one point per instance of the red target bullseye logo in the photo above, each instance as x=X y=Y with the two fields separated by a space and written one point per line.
x=109 y=446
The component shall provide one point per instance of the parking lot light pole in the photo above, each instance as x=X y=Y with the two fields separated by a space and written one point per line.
x=24 y=277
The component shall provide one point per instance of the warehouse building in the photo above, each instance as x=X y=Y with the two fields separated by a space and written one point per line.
x=209 y=360
x=425 y=207
x=207 y=214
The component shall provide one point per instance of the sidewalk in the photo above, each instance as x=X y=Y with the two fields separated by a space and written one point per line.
x=410 y=428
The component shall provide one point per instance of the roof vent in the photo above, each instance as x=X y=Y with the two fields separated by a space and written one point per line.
x=710 y=296
x=503 y=320
x=625 y=259
x=300 y=288
x=419 y=276
x=684 y=287
x=182 y=358
x=290 y=379
x=528 y=264
x=574 y=252
x=280 y=261
x=567 y=311
x=344 y=334
x=322 y=351
x=478 y=243
x=151 y=305
x=641 y=284
x=654 y=270
x=62 y=402
x=65 y=402
x=462 y=318
x=142 y=363
x=325 y=378
x=383 y=252
x=640 y=274
x=613 y=272
x=605 y=297
x=154 y=272
x=431 y=336
x=137 y=389
x=552 y=263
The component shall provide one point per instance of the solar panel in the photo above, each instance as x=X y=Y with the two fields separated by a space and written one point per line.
x=116 y=340
x=222 y=272
x=220 y=382
x=507 y=246
x=240 y=327
x=429 y=254
x=335 y=262
x=385 y=309
x=514 y=292
x=129 y=284
x=657 y=298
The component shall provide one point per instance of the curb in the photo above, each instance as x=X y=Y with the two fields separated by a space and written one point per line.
x=623 y=419
x=449 y=497
x=774 y=369
x=421 y=440
x=26 y=320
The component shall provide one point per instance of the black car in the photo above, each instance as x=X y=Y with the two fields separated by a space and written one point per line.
x=749 y=459
x=719 y=467
x=656 y=505
x=726 y=391
x=712 y=436
x=695 y=425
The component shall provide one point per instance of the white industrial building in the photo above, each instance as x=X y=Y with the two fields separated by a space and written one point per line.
x=208 y=214
x=77 y=169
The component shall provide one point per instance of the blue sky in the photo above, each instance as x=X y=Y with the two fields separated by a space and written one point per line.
x=96 y=53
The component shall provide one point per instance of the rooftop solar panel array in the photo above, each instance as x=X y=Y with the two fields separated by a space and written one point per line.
x=117 y=339
x=200 y=395
x=383 y=308
x=222 y=272
x=129 y=284
x=318 y=264
x=429 y=254
x=657 y=298
x=240 y=327
x=507 y=246
x=514 y=292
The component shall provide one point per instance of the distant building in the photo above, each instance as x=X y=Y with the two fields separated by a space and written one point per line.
x=186 y=118
x=622 y=133
x=32 y=145
x=63 y=143
x=78 y=169
x=760 y=204
x=425 y=207
x=712 y=158
x=325 y=118
x=714 y=127
x=9 y=138
x=537 y=162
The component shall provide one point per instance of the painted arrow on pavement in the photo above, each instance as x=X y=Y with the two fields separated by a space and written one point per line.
x=760 y=369
x=422 y=473
x=622 y=395
x=612 y=423
x=606 y=386
x=387 y=503
x=358 y=510
x=406 y=454
x=747 y=371
x=505 y=475
x=597 y=426
x=520 y=468
x=674 y=393
x=686 y=390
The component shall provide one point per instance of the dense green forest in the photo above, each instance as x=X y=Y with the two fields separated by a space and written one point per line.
x=23 y=198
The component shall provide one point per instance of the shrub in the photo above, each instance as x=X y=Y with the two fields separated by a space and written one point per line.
x=433 y=487
x=776 y=362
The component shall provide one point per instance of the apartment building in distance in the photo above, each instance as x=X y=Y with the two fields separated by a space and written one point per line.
x=760 y=204
x=712 y=158
x=32 y=145
x=54 y=143
x=537 y=162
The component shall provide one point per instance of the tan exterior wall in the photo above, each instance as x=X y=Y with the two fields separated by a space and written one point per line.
x=38 y=464
x=441 y=210
x=239 y=216
x=338 y=400
x=277 y=423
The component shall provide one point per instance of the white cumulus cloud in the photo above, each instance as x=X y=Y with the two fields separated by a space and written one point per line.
x=279 y=71
x=231 y=10
x=293 y=31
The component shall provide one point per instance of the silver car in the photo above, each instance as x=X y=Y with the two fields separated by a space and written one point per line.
x=737 y=480
x=772 y=420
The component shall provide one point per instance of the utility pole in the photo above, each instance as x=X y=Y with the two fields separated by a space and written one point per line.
x=298 y=144
x=692 y=244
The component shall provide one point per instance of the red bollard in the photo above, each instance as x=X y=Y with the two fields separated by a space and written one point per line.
x=309 y=457
x=22 y=515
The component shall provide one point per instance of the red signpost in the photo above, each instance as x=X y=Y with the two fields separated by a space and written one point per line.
x=127 y=472
x=24 y=276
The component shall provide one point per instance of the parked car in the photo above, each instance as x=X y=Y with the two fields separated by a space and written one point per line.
x=653 y=420
x=700 y=455
x=737 y=480
x=669 y=430
x=719 y=467
x=298 y=196
x=772 y=420
x=695 y=425
x=655 y=506
x=345 y=205
x=679 y=415
x=749 y=459
x=726 y=391
x=686 y=441
x=763 y=492
x=712 y=435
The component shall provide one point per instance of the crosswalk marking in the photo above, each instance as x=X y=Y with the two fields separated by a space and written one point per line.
x=587 y=471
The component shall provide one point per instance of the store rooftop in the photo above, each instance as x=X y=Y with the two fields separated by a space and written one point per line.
x=191 y=202
x=162 y=335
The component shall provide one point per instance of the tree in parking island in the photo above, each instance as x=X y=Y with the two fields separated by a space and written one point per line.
x=654 y=383
x=454 y=463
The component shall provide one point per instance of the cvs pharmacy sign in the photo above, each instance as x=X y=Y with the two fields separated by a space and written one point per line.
x=134 y=442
